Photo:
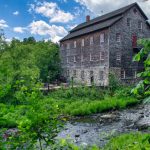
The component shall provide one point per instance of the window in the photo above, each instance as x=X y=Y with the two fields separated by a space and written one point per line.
x=123 y=74
x=74 y=73
x=67 y=59
x=102 y=55
x=102 y=38
x=101 y=75
x=135 y=10
x=74 y=59
x=81 y=58
x=118 y=56
x=68 y=45
x=140 y=25
x=82 y=43
x=90 y=57
x=75 y=44
x=128 y=22
x=134 y=40
x=118 y=37
x=91 y=40
x=82 y=75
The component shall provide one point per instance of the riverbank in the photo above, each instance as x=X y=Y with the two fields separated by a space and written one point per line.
x=98 y=129
x=84 y=101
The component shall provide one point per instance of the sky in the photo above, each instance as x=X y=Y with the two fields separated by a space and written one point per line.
x=52 y=19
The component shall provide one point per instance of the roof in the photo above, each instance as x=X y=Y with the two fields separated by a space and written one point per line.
x=101 y=22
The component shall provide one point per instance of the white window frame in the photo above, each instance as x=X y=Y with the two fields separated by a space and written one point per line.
x=102 y=55
x=123 y=76
x=118 y=37
x=91 y=40
x=75 y=44
x=118 y=56
x=82 y=43
x=101 y=75
x=82 y=58
x=140 y=25
x=74 y=59
x=68 y=45
x=90 y=57
x=74 y=73
x=102 y=38
x=67 y=59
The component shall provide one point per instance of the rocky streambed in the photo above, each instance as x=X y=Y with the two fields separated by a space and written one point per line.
x=98 y=129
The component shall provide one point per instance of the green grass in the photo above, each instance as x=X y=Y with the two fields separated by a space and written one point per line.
x=85 y=101
x=87 y=107
x=130 y=141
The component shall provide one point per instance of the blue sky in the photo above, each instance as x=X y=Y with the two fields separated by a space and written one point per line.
x=52 y=19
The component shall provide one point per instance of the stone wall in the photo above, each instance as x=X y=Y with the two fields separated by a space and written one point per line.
x=87 y=59
x=125 y=46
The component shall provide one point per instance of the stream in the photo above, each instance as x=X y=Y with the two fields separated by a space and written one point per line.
x=99 y=128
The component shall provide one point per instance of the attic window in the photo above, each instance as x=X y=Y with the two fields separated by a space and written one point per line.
x=135 y=10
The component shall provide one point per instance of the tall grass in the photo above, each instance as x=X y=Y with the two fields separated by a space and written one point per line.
x=89 y=100
x=81 y=107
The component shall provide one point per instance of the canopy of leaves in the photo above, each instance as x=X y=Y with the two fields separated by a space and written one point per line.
x=143 y=88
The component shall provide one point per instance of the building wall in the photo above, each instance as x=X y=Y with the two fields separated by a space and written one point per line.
x=125 y=46
x=87 y=59
x=78 y=59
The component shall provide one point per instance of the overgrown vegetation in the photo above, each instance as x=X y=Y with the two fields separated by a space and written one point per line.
x=85 y=100
x=143 y=88
x=28 y=118
x=130 y=141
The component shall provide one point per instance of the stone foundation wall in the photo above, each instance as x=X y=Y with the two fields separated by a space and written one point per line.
x=87 y=76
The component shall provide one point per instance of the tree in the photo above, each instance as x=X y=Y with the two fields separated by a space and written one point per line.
x=143 y=88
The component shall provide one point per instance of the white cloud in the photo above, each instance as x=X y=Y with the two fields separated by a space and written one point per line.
x=42 y=28
x=98 y=7
x=3 y=24
x=51 y=11
x=19 y=29
x=16 y=13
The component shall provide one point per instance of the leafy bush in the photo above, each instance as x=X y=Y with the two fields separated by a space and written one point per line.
x=142 y=90
x=91 y=93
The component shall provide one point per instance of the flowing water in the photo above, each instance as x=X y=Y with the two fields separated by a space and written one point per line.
x=98 y=129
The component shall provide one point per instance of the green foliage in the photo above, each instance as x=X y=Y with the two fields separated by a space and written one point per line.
x=36 y=121
x=114 y=83
x=23 y=65
x=132 y=141
x=22 y=105
x=79 y=92
x=143 y=88
x=85 y=101
x=129 y=141
x=82 y=107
